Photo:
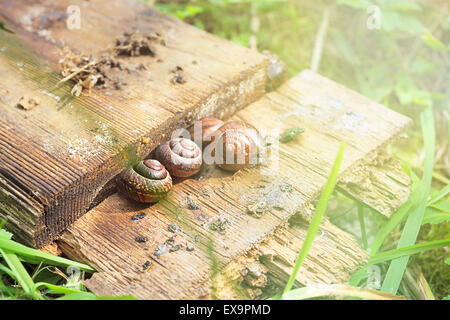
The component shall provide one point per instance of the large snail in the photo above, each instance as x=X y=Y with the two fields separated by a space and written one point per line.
x=237 y=145
x=204 y=129
x=181 y=157
x=148 y=181
x=244 y=127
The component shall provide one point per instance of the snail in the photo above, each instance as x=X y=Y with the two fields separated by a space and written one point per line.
x=204 y=129
x=148 y=181
x=237 y=145
x=181 y=157
x=248 y=129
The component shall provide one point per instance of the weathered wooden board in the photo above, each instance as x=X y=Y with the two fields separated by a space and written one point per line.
x=379 y=182
x=265 y=269
x=56 y=157
x=222 y=229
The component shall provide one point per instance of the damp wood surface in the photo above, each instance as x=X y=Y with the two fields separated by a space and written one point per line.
x=58 y=152
x=245 y=211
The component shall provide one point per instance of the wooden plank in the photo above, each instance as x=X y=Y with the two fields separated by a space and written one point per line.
x=264 y=270
x=73 y=146
x=223 y=228
x=379 y=182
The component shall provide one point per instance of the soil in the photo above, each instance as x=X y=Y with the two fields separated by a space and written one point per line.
x=108 y=71
x=135 y=44
x=178 y=75
x=27 y=103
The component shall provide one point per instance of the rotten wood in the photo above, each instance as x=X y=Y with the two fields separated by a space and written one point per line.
x=263 y=271
x=58 y=152
x=52 y=248
x=226 y=227
x=379 y=183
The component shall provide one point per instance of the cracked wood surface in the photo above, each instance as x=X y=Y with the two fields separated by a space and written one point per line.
x=379 y=182
x=222 y=230
x=72 y=147
x=264 y=270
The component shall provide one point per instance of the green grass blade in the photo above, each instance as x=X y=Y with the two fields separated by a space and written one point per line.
x=6 y=270
x=338 y=290
x=434 y=216
x=4 y=289
x=12 y=292
x=78 y=296
x=54 y=288
x=91 y=296
x=390 y=225
x=362 y=273
x=405 y=209
x=397 y=267
x=75 y=294
x=5 y=234
x=407 y=251
x=358 y=276
x=23 y=251
x=394 y=221
x=441 y=194
x=117 y=298
x=362 y=225
x=441 y=205
x=20 y=274
x=317 y=217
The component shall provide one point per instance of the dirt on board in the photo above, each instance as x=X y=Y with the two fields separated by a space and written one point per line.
x=110 y=69
x=27 y=102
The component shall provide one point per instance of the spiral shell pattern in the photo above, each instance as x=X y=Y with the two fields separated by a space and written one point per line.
x=206 y=127
x=245 y=128
x=181 y=157
x=148 y=181
x=235 y=150
x=237 y=146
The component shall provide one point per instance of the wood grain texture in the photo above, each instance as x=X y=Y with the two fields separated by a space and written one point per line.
x=222 y=230
x=72 y=147
x=379 y=182
x=264 y=270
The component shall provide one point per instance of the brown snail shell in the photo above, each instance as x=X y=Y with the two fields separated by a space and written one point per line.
x=236 y=146
x=244 y=127
x=148 y=181
x=207 y=127
x=181 y=157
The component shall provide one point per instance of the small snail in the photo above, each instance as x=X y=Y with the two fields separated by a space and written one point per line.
x=181 y=157
x=148 y=181
x=237 y=145
x=206 y=128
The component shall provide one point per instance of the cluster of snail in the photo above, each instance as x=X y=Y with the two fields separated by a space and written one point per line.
x=231 y=146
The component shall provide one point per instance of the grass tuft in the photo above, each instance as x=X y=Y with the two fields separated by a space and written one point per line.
x=18 y=258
